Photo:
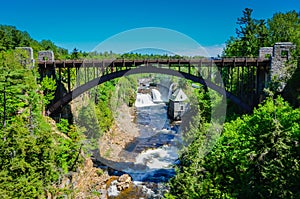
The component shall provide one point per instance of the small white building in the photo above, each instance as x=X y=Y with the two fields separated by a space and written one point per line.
x=177 y=104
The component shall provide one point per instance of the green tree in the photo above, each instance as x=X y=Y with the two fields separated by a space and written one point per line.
x=11 y=87
x=10 y=38
x=34 y=156
x=251 y=35
x=103 y=105
x=48 y=86
x=285 y=27
x=49 y=45
x=257 y=156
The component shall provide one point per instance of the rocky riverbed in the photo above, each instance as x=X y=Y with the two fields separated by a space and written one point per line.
x=141 y=143
x=91 y=181
x=124 y=131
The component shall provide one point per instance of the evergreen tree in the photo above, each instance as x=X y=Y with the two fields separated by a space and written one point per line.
x=253 y=33
x=257 y=156
x=33 y=157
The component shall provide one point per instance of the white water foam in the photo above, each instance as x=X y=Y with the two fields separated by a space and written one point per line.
x=159 y=158
x=170 y=90
x=156 y=96
x=113 y=190
x=143 y=100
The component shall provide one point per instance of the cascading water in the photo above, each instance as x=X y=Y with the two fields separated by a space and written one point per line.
x=155 y=149
x=156 y=96
x=170 y=90
x=143 y=100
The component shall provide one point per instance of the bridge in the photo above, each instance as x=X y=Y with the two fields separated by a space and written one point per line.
x=242 y=80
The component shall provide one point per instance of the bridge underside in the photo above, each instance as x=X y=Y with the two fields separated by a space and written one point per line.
x=150 y=69
x=241 y=80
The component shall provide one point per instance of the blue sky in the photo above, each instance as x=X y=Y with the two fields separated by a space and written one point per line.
x=84 y=24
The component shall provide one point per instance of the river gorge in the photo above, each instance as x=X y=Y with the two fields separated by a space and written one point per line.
x=151 y=149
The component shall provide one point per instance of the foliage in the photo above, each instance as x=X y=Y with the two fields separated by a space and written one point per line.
x=97 y=117
x=201 y=102
x=14 y=80
x=149 y=56
x=126 y=90
x=292 y=90
x=48 y=86
x=253 y=33
x=103 y=107
x=63 y=125
x=257 y=156
x=88 y=120
x=10 y=38
x=34 y=157
x=285 y=27
x=49 y=45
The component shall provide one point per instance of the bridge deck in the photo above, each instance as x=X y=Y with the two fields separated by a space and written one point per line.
x=222 y=62
x=245 y=75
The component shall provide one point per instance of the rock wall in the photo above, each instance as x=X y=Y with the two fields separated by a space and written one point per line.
x=265 y=52
x=280 y=55
x=280 y=69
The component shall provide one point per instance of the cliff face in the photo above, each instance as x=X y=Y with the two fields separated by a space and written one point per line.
x=112 y=143
x=87 y=182
x=92 y=182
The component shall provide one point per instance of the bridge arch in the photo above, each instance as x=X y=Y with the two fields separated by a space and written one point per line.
x=140 y=70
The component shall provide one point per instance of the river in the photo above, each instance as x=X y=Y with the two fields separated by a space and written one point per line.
x=155 y=150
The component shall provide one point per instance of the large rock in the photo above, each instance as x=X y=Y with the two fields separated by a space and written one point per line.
x=124 y=182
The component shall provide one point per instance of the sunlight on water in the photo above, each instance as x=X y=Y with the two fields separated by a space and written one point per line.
x=158 y=158
x=157 y=98
x=143 y=100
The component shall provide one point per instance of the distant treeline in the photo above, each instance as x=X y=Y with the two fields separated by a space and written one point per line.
x=11 y=37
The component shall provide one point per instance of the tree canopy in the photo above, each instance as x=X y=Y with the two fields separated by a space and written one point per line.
x=11 y=37
x=257 y=156
x=34 y=154
x=252 y=34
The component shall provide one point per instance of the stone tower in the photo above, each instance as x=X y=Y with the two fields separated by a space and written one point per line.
x=282 y=52
x=279 y=54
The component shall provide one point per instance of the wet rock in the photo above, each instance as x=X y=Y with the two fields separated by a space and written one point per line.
x=103 y=193
x=124 y=182
x=112 y=189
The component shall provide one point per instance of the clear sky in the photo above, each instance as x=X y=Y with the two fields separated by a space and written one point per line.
x=85 y=23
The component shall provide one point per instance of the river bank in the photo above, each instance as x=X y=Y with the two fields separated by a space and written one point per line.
x=91 y=181
x=142 y=143
x=124 y=131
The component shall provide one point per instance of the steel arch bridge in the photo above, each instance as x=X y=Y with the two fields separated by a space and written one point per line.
x=241 y=80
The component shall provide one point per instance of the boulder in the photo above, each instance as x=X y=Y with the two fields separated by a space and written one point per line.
x=124 y=182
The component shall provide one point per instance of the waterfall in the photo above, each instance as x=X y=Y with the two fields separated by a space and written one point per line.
x=143 y=100
x=170 y=90
x=146 y=100
x=156 y=96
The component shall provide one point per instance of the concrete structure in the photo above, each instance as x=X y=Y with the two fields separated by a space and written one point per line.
x=46 y=55
x=265 y=52
x=177 y=104
x=27 y=57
